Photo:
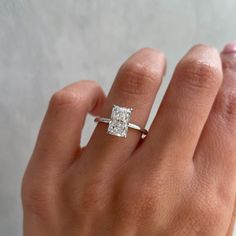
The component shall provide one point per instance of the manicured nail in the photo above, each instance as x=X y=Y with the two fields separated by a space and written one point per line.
x=230 y=48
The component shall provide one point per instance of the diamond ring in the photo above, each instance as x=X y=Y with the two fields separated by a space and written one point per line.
x=118 y=124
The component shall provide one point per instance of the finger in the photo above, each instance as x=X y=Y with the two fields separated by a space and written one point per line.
x=135 y=87
x=232 y=223
x=215 y=156
x=186 y=105
x=59 y=137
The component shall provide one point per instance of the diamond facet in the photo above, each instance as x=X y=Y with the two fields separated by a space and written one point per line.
x=120 y=118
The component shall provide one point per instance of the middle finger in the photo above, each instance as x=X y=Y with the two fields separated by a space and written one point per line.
x=185 y=108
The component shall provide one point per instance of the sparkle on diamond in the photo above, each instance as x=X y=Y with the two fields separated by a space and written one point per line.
x=120 y=118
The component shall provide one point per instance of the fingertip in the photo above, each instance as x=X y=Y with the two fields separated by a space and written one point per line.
x=95 y=105
x=230 y=48
x=206 y=54
x=206 y=62
x=148 y=55
x=228 y=58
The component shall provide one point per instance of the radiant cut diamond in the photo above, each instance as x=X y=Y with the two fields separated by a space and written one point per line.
x=120 y=118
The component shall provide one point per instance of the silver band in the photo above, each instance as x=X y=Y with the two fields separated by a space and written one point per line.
x=130 y=125
x=118 y=124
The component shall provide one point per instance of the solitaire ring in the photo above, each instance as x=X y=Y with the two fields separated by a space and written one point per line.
x=118 y=124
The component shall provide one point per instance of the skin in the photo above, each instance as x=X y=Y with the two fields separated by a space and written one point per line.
x=180 y=180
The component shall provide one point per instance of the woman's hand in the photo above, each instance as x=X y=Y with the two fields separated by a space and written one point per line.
x=179 y=180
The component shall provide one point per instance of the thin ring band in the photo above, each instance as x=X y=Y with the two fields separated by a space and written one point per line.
x=130 y=125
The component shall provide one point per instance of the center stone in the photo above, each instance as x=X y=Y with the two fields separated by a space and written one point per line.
x=120 y=118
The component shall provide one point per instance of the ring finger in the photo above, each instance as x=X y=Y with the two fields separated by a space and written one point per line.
x=135 y=86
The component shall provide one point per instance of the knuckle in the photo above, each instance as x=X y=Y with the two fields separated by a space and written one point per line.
x=36 y=201
x=209 y=211
x=132 y=202
x=229 y=65
x=197 y=226
x=230 y=105
x=64 y=98
x=137 y=78
x=88 y=197
x=225 y=106
x=194 y=225
x=91 y=200
x=198 y=75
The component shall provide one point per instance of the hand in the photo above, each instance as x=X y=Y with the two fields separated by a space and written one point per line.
x=179 y=180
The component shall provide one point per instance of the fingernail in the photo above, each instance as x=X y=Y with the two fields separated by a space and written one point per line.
x=230 y=48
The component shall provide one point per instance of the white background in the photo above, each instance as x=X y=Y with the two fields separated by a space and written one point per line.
x=45 y=45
